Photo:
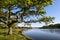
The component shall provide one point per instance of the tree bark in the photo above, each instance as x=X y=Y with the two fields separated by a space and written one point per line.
x=9 y=30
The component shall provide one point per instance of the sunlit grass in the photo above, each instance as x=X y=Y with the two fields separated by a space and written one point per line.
x=15 y=36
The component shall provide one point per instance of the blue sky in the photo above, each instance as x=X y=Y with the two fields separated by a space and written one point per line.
x=52 y=10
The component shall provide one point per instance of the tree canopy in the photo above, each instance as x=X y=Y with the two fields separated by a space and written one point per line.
x=27 y=8
x=30 y=11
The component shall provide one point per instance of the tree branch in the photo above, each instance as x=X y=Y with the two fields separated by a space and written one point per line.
x=3 y=21
x=31 y=21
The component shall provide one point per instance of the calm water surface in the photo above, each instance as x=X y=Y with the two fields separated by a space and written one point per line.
x=43 y=34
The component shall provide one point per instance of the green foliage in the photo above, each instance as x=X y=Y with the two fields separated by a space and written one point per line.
x=26 y=11
x=47 y=20
x=23 y=2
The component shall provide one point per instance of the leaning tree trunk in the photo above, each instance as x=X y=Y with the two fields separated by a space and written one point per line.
x=9 y=30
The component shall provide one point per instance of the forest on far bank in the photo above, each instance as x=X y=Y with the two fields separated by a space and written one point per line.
x=52 y=26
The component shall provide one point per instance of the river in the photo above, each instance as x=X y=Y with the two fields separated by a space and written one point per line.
x=43 y=34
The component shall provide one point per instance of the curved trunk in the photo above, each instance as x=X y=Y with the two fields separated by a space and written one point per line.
x=9 y=30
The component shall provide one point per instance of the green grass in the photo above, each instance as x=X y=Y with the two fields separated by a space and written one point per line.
x=15 y=36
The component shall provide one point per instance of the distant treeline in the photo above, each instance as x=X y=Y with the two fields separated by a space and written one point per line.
x=2 y=26
x=52 y=26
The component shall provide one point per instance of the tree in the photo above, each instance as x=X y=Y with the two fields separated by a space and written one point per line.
x=28 y=10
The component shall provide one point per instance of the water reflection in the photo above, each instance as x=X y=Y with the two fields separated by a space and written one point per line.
x=57 y=31
x=43 y=34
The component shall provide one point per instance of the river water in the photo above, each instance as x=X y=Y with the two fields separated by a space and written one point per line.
x=43 y=34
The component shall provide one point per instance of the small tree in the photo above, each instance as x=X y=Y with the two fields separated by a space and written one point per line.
x=30 y=11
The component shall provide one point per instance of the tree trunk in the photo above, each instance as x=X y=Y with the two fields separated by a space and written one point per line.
x=9 y=30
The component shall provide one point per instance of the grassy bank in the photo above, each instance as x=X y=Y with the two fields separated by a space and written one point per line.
x=15 y=36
